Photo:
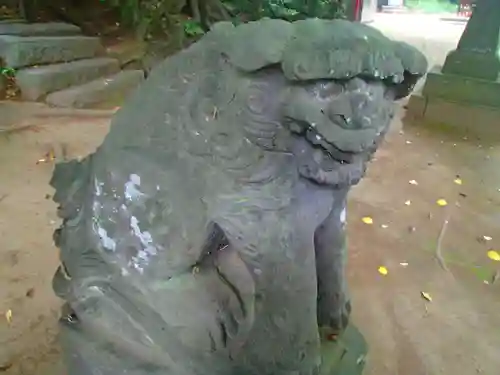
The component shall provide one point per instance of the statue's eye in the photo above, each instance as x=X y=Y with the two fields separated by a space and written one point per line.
x=324 y=90
x=331 y=90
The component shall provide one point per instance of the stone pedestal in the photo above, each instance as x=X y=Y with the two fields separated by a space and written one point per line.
x=461 y=88
x=477 y=53
x=346 y=355
x=469 y=77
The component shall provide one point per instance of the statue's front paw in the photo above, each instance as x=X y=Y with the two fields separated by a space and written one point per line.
x=336 y=321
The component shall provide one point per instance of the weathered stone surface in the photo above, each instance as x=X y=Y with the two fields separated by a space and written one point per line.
x=38 y=29
x=477 y=53
x=206 y=234
x=106 y=89
x=12 y=20
x=19 y=52
x=461 y=89
x=39 y=81
x=331 y=56
x=467 y=87
x=460 y=120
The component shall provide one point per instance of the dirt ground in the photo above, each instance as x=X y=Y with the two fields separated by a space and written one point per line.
x=457 y=332
x=27 y=255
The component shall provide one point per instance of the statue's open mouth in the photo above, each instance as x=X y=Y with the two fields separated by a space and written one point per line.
x=318 y=140
x=328 y=122
x=335 y=133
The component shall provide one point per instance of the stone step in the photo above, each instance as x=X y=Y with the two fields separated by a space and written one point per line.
x=111 y=89
x=18 y=51
x=37 y=82
x=38 y=29
x=12 y=20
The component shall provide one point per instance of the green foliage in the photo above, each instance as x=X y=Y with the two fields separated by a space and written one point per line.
x=149 y=17
x=432 y=6
x=289 y=10
x=193 y=28
x=7 y=72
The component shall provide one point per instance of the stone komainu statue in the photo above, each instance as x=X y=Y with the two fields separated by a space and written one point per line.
x=206 y=234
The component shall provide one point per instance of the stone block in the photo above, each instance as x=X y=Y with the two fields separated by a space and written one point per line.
x=476 y=54
x=17 y=52
x=462 y=89
x=37 y=82
x=12 y=20
x=455 y=119
x=97 y=92
x=346 y=355
x=38 y=29
x=472 y=64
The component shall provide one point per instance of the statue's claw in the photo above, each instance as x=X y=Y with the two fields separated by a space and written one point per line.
x=337 y=322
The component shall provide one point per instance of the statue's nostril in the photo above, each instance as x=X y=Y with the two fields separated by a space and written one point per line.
x=338 y=118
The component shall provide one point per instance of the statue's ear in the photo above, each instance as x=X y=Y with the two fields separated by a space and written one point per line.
x=247 y=50
x=404 y=88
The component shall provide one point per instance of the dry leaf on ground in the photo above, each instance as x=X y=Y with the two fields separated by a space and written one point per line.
x=441 y=202
x=426 y=296
x=494 y=255
x=8 y=316
x=382 y=270
x=367 y=220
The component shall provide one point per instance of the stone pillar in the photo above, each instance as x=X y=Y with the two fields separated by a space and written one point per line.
x=477 y=53
x=468 y=84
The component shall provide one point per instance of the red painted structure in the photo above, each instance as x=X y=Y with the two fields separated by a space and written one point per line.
x=358 y=7
x=361 y=10
x=465 y=8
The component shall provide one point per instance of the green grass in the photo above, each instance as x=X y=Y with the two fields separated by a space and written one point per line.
x=482 y=272
x=432 y=6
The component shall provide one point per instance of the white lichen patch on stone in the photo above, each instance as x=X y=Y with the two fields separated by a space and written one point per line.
x=106 y=241
x=132 y=191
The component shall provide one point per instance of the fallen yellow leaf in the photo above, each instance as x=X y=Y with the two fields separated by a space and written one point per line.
x=426 y=296
x=458 y=181
x=51 y=155
x=441 y=202
x=382 y=270
x=494 y=255
x=8 y=316
x=367 y=220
